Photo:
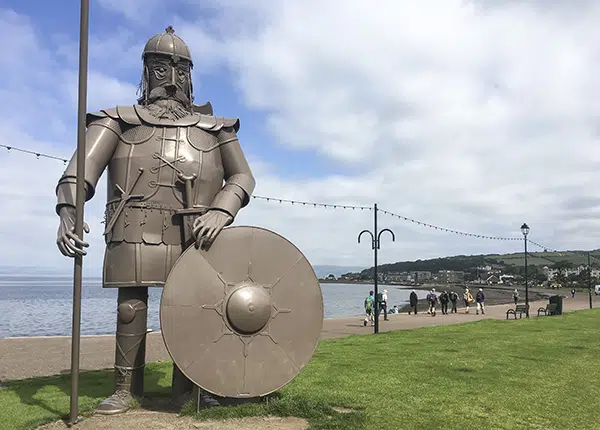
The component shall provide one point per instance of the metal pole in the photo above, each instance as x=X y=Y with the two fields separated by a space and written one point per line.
x=375 y=243
x=376 y=246
x=589 y=279
x=526 y=286
x=79 y=204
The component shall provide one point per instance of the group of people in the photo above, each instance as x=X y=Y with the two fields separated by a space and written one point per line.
x=370 y=307
x=445 y=298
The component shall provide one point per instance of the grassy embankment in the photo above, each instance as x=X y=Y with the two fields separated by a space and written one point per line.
x=492 y=374
x=542 y=258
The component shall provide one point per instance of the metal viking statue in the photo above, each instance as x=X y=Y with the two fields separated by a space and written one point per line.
x=241 y=310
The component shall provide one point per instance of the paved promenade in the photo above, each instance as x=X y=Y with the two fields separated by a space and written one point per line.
x=43 y=356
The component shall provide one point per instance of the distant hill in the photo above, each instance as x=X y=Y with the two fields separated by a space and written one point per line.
x=498 y=261
x=321 y=271
x=37 y=271
x=325 y=270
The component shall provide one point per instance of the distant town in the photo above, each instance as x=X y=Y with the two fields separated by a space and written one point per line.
x=561 y=274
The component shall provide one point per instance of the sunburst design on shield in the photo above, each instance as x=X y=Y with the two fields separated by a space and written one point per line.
x=243 y=318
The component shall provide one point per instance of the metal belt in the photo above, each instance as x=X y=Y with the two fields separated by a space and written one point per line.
x=152 y=206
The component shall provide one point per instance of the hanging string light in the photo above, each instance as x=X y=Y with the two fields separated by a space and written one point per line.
x=330 y=206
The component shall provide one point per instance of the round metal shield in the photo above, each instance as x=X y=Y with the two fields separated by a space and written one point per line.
x=243 y=318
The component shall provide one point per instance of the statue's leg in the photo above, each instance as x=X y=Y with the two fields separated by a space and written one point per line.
x=130 y=357
x=181 y=387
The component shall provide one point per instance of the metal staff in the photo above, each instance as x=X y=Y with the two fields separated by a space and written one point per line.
x=375 y=245
x=79 y=203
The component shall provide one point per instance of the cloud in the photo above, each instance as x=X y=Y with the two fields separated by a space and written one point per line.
x=476 y=116
x=472 y=114
x=137 y=11
x=38 y=113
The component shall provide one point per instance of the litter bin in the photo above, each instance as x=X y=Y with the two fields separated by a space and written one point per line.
x=558 y=300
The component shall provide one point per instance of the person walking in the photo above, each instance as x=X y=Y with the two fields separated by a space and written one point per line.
x=453 y=300
x=572 y=293
x=444 y=299
x=432 y=302
x=384 y=303
x=428 y=298
x=480 y=298
x=369 y=311
x=516 y=296
x=413 y=301
x=468 y=298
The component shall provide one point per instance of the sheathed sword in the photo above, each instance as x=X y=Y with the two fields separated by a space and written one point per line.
x=126 y=196
x=180 y=384
x=190 y=213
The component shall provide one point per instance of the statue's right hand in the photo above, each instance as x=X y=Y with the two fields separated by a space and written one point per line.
x=67 y=241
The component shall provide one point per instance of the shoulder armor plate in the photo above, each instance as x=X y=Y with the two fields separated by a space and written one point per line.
x=129 y=115
x=216 y=123
x=112 y=112
x=205 y=109
x=93 y=116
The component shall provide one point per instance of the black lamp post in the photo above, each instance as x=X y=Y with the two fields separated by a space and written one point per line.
x=525 y=231
x=589 y=279
x=376 y=245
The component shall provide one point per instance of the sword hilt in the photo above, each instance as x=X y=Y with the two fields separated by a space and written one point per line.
x=187 y=180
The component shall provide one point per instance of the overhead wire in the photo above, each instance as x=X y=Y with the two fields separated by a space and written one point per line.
x=322 y=205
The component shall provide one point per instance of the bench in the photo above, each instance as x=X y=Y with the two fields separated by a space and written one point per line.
x=550 y=309
x=520 y=309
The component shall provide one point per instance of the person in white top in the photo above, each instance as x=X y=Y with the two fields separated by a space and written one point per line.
x=384 y=303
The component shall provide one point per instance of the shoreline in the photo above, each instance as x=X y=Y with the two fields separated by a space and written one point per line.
x=29 y=357
x=500 y=296
x=495 y=295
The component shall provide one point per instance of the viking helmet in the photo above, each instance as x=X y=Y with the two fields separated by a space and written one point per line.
x=166 y=45
x=169 y=45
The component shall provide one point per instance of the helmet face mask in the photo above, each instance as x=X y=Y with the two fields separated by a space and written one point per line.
x=168 y=79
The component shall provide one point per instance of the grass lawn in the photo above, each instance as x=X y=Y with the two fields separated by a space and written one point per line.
x=525 y=374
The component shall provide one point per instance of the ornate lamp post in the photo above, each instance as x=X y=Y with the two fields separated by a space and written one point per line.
x=525 y=231
x=375 y=245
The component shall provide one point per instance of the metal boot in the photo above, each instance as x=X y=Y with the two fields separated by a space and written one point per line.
x=183 y=390
x=130 y=354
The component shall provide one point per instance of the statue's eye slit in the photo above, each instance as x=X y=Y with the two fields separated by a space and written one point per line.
x=160 y=72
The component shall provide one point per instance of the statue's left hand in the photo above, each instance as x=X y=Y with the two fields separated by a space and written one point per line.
x=207 y=227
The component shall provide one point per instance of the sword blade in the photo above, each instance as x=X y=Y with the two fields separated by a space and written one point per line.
x=125 y=197
x=113 y=219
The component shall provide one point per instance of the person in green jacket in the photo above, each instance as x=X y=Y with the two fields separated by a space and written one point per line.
x=369 y=309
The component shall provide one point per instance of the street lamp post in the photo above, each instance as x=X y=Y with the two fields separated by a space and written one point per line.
x=525 y=231
x=375 y=245
x=589 y=279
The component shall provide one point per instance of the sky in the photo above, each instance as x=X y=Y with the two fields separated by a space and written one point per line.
x=475 y=116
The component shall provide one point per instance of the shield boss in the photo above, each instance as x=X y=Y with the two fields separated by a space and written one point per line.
x=243 y=318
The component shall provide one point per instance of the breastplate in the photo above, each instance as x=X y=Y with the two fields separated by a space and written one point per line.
x=146 y=170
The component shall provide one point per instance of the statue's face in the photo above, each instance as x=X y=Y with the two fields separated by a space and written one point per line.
x=172 y=77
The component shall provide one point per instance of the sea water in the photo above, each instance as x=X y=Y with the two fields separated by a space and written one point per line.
x=41 y=305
